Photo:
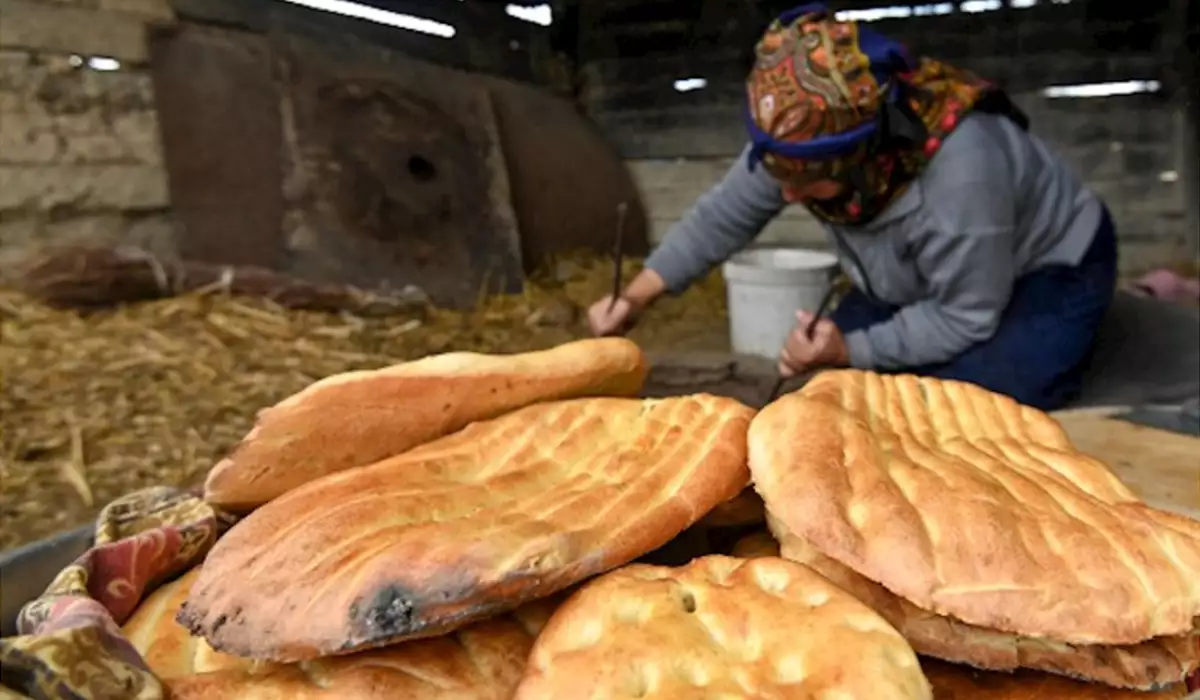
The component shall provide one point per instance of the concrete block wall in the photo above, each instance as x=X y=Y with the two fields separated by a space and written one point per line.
x=80 y=154
x=1127 y=149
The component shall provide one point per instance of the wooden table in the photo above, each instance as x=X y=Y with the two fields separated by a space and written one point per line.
x=1160 y=466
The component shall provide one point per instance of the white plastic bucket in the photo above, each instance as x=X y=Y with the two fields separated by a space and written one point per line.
x=766 y=287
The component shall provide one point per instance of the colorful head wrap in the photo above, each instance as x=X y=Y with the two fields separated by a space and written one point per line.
x=829 y=100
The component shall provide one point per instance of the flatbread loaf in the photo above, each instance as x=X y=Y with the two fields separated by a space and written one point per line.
x=744 y=509
x=719 y=627
x=1155 y=663
x=358 y=418
x=969 y=505
x=951 y=682
x=481 y=662
x=502 y=512
x=758 y=544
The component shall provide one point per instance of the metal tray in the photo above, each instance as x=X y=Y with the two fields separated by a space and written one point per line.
x=26 y=571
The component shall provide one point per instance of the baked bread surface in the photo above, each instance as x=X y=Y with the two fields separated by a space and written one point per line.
x=502 y=512
x=481 y=662
x=167 y=647
x=972 y=506
x=744 y=509
x=951 y=682
x=755 y=545
x=719 y=627
x=1157 y=663
x=358 y=418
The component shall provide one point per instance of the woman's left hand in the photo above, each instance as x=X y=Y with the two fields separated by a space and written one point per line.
x=826 y=348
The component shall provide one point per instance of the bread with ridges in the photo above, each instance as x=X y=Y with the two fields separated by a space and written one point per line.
x=1155 y=663
x=955 y=682
x=481 y=662
x=358 y=418
x=719 y=627
x=969 y=505
x=951 y=682
x=502 y=512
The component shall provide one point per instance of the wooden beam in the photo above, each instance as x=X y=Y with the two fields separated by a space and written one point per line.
x=629 y=84
x=486 y=39
x=1011 y=32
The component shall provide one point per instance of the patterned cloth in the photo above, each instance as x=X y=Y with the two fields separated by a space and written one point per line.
x=70 y=645
x=828 y=100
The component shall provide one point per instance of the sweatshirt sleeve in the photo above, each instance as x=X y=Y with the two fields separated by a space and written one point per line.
x=723 y=221
x=965 y=253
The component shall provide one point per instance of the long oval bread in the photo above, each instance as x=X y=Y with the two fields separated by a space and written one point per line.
x=969 y=505
x=481 y=662
x=358 y=418
x=502 y=512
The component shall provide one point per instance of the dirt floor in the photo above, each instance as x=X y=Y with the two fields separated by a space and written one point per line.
x=94 y=406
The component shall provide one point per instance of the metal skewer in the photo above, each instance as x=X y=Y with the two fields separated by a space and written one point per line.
x=618 y=254
x=808 y=331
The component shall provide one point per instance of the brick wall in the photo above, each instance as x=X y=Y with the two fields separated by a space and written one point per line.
x=80 y=149
x=79 y=153
x=80 y=158
x=1125 y=148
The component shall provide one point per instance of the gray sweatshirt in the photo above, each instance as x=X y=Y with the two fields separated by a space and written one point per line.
x=994 y=204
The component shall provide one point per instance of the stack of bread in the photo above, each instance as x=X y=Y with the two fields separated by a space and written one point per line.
x=466 y=527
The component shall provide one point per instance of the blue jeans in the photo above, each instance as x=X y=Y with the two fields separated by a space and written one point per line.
x=1040 y=349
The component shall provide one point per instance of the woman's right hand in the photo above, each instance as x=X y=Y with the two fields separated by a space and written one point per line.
x=606 y=318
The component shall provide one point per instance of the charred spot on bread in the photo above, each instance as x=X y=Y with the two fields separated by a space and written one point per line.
x=218 y=624
x=389 y=613
x=687 y=601
x=189 y=619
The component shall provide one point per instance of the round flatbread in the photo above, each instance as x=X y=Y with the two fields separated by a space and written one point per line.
x=743 y=510
x=719 y=627
x=1155 y=663
x=755 y=545
x=951 y=682
x=969 y=505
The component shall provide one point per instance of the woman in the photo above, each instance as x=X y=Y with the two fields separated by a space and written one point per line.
x=975 y=253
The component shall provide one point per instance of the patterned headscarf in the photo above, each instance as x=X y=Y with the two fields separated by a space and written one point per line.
x=828 y=100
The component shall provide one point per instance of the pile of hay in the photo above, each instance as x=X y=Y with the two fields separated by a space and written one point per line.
x=94 y=406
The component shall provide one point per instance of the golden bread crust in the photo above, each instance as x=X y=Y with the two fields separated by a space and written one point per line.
x=744 y=509
x=971 y=506
x=358 y=418
x=718 y=627
x=951 y=682
x=166 y=645
x=1155 y=663
x=756 y=545
x=481 y=662
x=502 y=512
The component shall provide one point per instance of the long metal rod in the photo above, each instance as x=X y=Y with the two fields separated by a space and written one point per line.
x=618 y=254
x=808 y=331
